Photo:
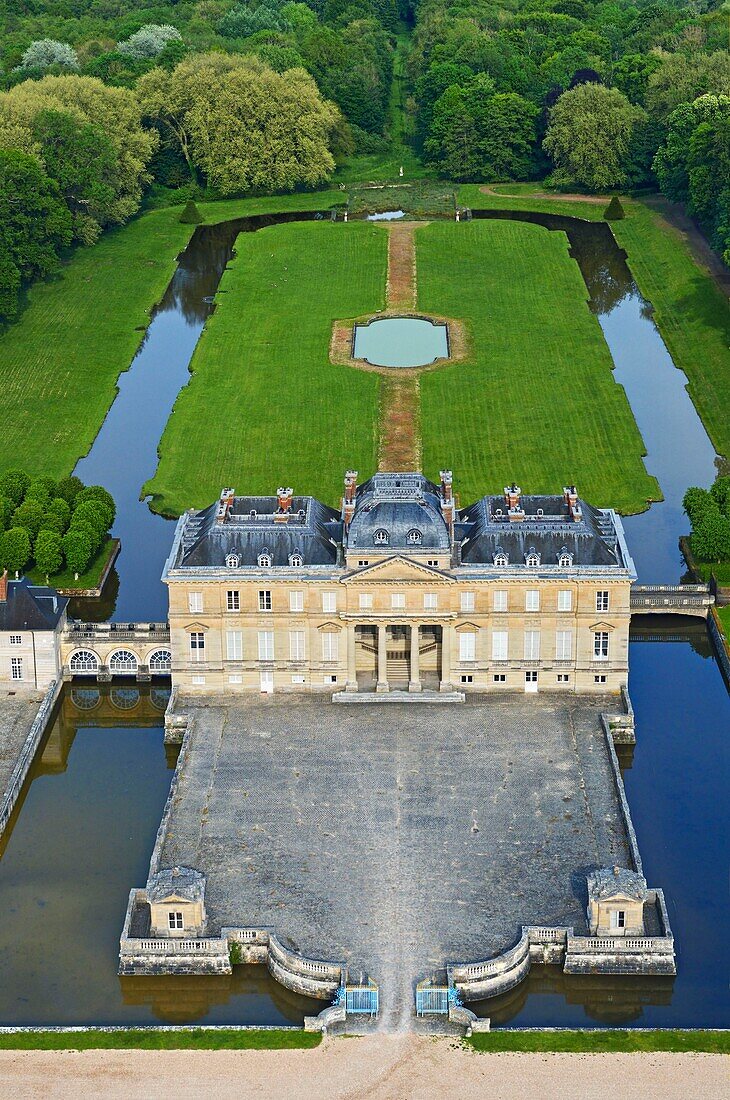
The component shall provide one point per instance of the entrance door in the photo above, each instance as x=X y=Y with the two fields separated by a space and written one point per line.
x=267 y=681
x=531 y=681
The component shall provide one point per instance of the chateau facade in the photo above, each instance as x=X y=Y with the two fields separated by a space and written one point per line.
x=399 y=590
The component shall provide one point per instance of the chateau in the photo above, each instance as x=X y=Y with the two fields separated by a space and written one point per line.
x=401 y=590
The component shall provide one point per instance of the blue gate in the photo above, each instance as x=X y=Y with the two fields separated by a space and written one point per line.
x=362 y=1000
x=435 y=1000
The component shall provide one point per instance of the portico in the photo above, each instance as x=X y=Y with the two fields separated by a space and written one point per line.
x=396 y=656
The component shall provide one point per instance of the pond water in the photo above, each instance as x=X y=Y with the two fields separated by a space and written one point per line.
x=386 y=216
x=401 y=342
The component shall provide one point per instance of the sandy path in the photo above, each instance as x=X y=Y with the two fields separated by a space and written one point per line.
x=377 y=1068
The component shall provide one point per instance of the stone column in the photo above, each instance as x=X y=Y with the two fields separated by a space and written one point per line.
x=414 y=679
x=351 y=684
x=382 y=684
x=446 y=636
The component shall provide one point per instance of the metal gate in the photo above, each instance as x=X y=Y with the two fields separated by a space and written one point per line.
x=361 y=1000
x=432 y=1000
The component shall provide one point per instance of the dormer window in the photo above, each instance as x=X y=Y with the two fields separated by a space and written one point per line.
x=264 y=560
x=295 y=558
x=380 y=538
x=565 y=559
x=414 y=537
x=233 y=561
x=500 y=558
x=532 y=558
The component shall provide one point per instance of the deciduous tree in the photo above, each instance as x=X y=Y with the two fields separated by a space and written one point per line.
x=589 y=137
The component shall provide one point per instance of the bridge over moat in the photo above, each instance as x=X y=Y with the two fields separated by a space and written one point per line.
x=103 y=651
x=671 y=599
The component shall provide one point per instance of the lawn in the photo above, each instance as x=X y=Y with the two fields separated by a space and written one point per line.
x=536 y=399
x=265 y=407
x=91 y=576
x=603 y=1041
x=162 y=1039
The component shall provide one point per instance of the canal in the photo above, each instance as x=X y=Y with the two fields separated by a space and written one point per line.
x=85 y=831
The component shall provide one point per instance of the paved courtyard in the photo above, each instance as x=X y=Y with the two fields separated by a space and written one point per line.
x=17 y=711
x=396 y=837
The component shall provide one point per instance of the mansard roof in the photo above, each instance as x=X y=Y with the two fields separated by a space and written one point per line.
x=398 y=512
x=609 y=882
x=547 y=529
x=31 y=607
x=253 y=526
x=179 y=882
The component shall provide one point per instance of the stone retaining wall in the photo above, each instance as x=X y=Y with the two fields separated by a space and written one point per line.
x=27 y=754
x=719 y=645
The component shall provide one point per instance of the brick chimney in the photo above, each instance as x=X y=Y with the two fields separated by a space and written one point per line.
x=447 y=501
x=224 y=505
x=283 y=504
x=512 y=494
x=570 y=495
x=348 y=500
x=4 y=586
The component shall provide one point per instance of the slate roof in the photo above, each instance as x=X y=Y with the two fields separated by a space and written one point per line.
x=312 y=530
x=406 y=507
x=31 y=607
x=183 y=882
x=606 y=882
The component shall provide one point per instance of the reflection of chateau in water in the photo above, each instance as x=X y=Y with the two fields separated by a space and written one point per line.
x=179 y=999
x=610 y=1000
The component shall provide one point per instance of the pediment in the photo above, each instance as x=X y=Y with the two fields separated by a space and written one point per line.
x=602 y=626
x=619 y=895
x=469 y=628
x=330 y=628
x=196 y=626
x=170 y=898
x=399 y=569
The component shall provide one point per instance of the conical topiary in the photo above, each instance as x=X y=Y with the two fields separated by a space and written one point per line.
x=614 y=212
x=191 y=215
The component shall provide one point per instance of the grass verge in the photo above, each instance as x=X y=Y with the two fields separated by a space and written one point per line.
x=89 y=579
x=265 y=406
x=152 y=1039
x=612 y=1041
x=536 y=400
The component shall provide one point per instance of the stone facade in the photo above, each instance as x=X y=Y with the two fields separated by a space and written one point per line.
x=32 y=619
x=401 y=589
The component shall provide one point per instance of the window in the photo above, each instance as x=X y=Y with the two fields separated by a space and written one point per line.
x=195 y=601
x=234 y=645
x=233 y=561
x=380 y=538
x=175 y=920
x=501 y=559
x=599 y=679
x=16 y=639
x=160 y=660
x=532 y=645
x=430 y=601
x=563 y=645
x=296 y=559
x=366 y=601
x=499 y=678
x=500 y=642
x=467 y=679
x=329 y=601
x=83 y=660
x=563 y=678
x=296 y=645
x=600 y=645
x=330 y=679
x=266 y=645
x=398 y=601
x=265 y=600
x=123 y=660
x=299 y=679
x=618 y=918
x=565 y=560
x=467 y=601
x=433 y=561
x=264 y=560
x=565 y=600
x=197 y=645
x=233 y=601
x=499 y=601
x=330 y=646
x=198 y=681
x=601 y=601
x=467 y=646
x=235 y=678
x=16 y=668
x=363 y=561
x=296 y=601
x=414 y=537
x=532 y=559
x=532 y=600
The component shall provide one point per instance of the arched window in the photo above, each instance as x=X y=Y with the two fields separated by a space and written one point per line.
x=160 y=660
x=380 y=538
x=83 y=661
x=233 y=561
x=85 y=698
x=565 y=559
x=414 y=536
x=532 y=558
x=123 y=660
x=124 y=698
x=295 y=558
x=500 y=558
x=264 y=560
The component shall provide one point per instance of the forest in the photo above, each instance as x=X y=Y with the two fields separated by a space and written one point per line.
x=111 y=105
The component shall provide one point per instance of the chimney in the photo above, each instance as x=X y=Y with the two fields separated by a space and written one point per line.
x=350 y=485
x=512 y=494
x=4 y=586
x=570 y=495
x=224 y=505
x=447 y=501
x=283 y=502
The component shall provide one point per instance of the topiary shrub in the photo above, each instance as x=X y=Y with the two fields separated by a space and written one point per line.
x=191 y=215
x=614 y=212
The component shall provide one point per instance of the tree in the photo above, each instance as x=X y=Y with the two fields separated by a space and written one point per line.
x=14 y=549
x=191 y=215
x=41 y=489
x=29 y=515
x=13 y=485
x=48 y=552
x=94 y=513
x=243 y=125
x=589 y=137
x=149 y=41
x=710 y=540
x=7 y=507
x=682 y=77
x=77 y=549
x=97 y=493
x=68 y=489
x=47 y=53
x=721 y=493
x=614 y=212
x=34 y=226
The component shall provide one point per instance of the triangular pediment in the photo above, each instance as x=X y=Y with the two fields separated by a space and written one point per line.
x=196 y=626
x=174 y=898
x=399 y=569
x=602 y=626
x=619 y=895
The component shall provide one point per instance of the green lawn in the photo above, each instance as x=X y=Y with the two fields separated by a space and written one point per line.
x=90 y=578
x=157 y=1039
x=597 y=1042
x=723 y=614
x=265 y=407
x=536 y=400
